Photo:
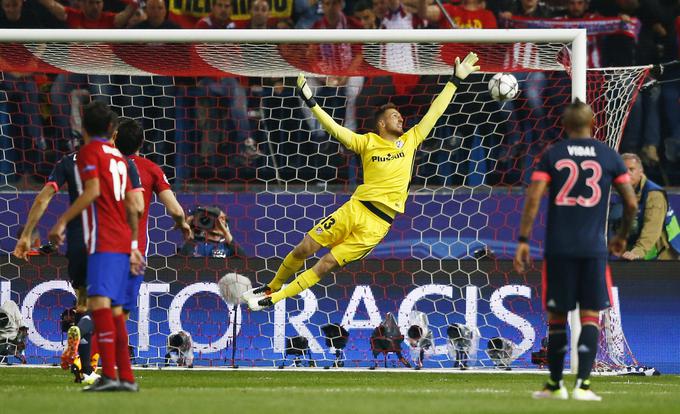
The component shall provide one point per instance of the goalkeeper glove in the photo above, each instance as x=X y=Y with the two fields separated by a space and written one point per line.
x=305 y=92
x=462 y=69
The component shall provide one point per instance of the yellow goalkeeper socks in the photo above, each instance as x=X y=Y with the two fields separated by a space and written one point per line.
x=306 y=280
x=288 y=268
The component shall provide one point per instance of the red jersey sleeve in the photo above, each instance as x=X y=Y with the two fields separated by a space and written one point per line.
x=160 y=181
x=88 y=163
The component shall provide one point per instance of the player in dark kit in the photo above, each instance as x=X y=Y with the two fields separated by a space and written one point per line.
x=579 y=173
x=129 y=137
x=110 y=208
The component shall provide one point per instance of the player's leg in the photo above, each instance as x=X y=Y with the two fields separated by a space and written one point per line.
x=125 y=374
x=358 y=234
x=306 y=279
x=330 y=231
x=100 y=308
x=106 y=281
x=122 y=304
x=594 y=296
x=559 y=297
x=120 y=316
x=80 y=337
x=293 y=262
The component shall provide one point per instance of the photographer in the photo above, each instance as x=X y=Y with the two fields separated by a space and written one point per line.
x=212 y=237
x=13 y=333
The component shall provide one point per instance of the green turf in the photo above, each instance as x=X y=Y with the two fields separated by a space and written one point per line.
x=289 y=392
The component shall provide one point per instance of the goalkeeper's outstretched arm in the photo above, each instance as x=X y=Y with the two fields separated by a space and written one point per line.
x=460 y=72
x=342 y=134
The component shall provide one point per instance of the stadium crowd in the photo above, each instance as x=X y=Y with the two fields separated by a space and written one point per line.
x=222 y=129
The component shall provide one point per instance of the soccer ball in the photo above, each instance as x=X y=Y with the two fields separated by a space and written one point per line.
x=503 y=87
x=232 y=286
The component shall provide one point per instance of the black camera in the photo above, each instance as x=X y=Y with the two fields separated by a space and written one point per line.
x=48 y=248
x=204 y=221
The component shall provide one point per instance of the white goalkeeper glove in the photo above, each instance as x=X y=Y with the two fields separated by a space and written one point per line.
x=462 y=69
x=305 y=91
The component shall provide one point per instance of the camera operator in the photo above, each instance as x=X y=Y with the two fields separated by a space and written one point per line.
x=13 y=333
x=212 y=237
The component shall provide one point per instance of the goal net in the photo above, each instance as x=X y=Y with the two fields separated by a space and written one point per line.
x=222 y=118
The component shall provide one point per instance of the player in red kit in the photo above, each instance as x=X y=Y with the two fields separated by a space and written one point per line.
x=129 y=138
x=109 y=210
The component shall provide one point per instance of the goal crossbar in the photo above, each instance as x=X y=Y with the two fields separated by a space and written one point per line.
x=291 y=36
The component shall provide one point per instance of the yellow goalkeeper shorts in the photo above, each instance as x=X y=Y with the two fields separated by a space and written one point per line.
x=352 y=231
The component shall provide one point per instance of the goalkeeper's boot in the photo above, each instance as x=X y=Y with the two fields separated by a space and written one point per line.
x=258 y=303
x=103 y=384
x=71 y=352
x=258 y=292
x=582 y=392
x=551 y=391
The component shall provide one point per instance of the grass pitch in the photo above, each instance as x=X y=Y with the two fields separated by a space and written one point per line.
x=323 y=392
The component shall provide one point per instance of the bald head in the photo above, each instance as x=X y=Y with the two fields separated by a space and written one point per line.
x=578 y=120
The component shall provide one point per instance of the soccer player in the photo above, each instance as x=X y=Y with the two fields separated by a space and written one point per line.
x=353 y=230
x=579 y=173
x=129 y=138
x=65 y=172
x=109 y=212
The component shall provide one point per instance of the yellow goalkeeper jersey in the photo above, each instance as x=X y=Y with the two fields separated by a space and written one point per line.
x=387 y=165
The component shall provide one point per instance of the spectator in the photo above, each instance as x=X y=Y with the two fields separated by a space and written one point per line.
x=20 y=99
x=471 y=14
x=331 y=58
x=219 y=17
x=156 y=16
x=212 y=91
x=579 y=9
x=653 y=236
x=259 y=15
x=92 y=14
x=212 y=236
x=307 y=12
x=364 y=12
x=643 y=131
x=380 y=9
x=186 y=13
x=69 y=87
x=524 y=8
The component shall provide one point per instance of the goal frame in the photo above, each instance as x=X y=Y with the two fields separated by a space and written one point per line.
x=576 y=37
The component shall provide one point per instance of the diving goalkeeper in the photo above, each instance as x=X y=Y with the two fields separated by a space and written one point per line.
x=353 y=230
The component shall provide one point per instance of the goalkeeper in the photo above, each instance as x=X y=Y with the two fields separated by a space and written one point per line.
x=353 y=230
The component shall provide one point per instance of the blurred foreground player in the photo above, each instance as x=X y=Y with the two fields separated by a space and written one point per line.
x=110 y=230
x=579 y=173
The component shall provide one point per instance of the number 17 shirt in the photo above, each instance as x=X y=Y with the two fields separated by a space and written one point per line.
x=105 y=226
x=580 y=173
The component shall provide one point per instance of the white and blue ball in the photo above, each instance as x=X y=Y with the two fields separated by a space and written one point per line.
x=503 y=87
